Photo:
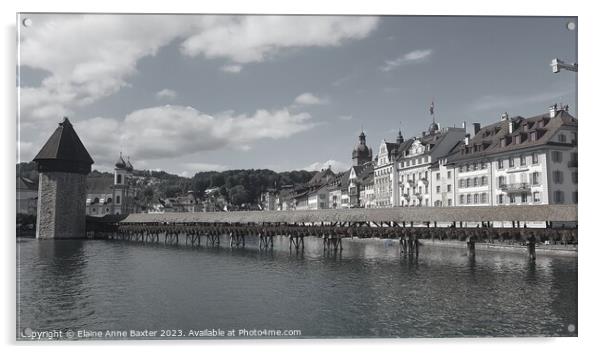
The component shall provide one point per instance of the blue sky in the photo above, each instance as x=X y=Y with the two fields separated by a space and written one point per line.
x=191 y=93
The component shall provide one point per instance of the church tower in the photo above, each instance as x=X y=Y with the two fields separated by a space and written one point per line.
x=63 y=165
x=362 y=153
x=120 y=186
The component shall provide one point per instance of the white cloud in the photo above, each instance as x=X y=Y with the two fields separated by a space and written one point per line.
x=166 y=94
x=173 y=131
x=335 y=166
x=309 y=98
x=231 y=68
x=246 y=39
x=90 y=57
x=415 y=56
x=200 y=166
x=345 y=118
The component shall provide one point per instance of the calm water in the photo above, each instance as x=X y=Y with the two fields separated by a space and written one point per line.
x=368 y=291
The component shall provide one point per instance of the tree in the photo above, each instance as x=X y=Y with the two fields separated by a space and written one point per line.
x=238 y=195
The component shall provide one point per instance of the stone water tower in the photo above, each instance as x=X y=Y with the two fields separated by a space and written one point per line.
x=63 y=164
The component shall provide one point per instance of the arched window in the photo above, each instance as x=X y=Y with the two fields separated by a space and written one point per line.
x=109 y=200
x=118 y=179
x=96 y=200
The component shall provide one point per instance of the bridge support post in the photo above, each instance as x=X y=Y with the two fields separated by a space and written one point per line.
x=531 y=246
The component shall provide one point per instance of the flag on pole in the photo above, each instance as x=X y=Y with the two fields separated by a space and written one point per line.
x=432 y=108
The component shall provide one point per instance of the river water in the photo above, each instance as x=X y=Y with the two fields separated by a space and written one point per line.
x=368 y=290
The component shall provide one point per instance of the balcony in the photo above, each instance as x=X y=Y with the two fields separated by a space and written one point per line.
x=516 y=187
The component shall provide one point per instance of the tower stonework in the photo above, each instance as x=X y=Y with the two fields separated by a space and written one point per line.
x=63 y=165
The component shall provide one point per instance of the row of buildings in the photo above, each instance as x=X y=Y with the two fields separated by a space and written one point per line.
x=514 y=161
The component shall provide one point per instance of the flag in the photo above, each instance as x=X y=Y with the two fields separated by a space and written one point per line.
x=432 y=108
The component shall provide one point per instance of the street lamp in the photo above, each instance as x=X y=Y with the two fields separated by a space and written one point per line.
x=558 y=64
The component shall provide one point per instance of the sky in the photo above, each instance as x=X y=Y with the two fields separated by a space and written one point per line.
x=190 y=93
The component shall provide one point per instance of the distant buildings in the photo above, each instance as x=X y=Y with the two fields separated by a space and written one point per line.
x=112 y=194
x=27 y=196
x=514 y=161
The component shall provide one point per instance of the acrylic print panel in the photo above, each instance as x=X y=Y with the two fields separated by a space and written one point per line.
x=215 y=176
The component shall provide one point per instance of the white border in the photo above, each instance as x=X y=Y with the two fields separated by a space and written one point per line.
x=590 y=113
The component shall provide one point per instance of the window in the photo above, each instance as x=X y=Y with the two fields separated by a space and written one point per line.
x=500 y=164
x=468 y=182
x=523 y=197
x=468 y=199
x=574 y=177
x=535 y=178
x=449 y=202
x=575 y=197
x=483 y=198
x=536 y=197
x=449 y=187
x=501 y=180
x=523 y=160
x=483 y=165
x=475 y=181
x=556 y=156
x=535 y=158
x=484 y=180
x=461 y=169
x=559 y=197
x=511 y=162
x=512 y=198
x=475 y=197
x=448 y=174
x=562 y=138
x=558 y=177
x=118 y=179
x=118 y=199
x=500 y=199
x=462 y=199
x=461 y=183
x=438 y=189
x=438 y=176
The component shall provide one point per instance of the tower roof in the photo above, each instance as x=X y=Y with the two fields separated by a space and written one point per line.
x=120 y=163
x=64 y=152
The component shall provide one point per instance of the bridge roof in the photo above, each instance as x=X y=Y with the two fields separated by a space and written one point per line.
x=559 y=213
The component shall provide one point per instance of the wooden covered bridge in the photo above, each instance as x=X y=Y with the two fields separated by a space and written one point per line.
x=475 y=224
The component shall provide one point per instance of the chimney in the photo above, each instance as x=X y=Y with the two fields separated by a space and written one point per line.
x=510 y=126
x=505 y=116
x=466 y=139
x=464 y=125
x=553 y=110
x=477 y=127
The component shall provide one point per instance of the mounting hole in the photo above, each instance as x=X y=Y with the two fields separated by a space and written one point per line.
x=27 y=22
x=571 y=26
x=571 y=328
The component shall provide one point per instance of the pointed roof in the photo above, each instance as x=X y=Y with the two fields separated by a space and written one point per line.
x=64 y=151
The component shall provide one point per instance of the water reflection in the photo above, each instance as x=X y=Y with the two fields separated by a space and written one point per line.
x=368 y=289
